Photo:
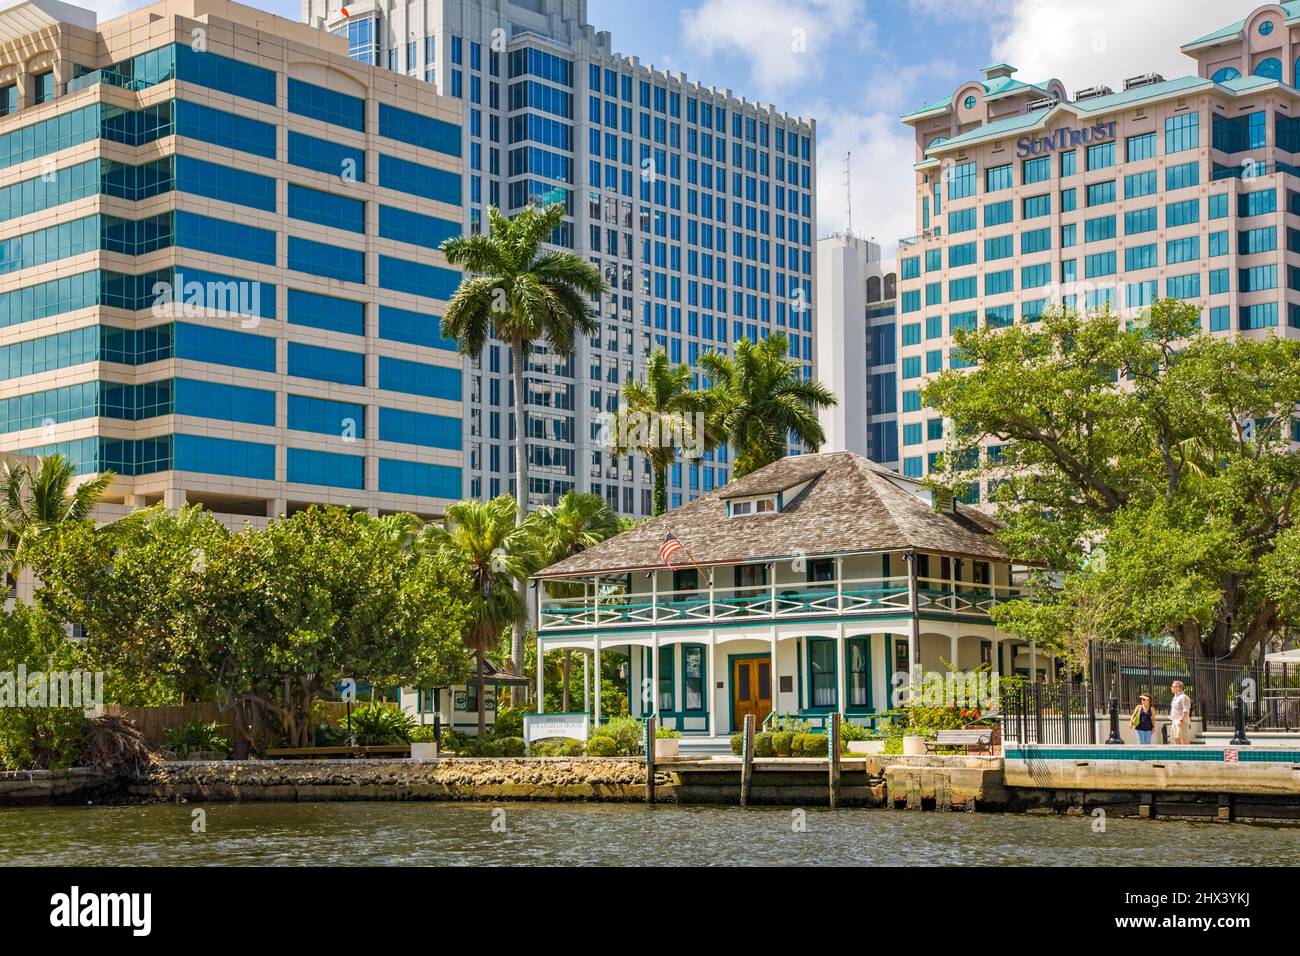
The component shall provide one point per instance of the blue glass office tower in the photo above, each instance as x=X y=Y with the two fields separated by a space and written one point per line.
x=218 y=265
x=696 y=204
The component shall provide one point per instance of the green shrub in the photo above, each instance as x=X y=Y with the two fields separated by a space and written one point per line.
x=784 y=722
x=509 y=723
x=452 y=740
x=810 y=745
x=195 y=737
x=377 y=725
x=763 y=745
x=783 y=743
x=41 y=738
x=667 y=733
x=602 y=746
x=849 y=731
x=738 y=744
x=626 y=732
x=511 y=746
x=557 y=747
x=423 y=734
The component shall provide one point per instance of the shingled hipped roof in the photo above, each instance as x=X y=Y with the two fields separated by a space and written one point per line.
x=848 y=505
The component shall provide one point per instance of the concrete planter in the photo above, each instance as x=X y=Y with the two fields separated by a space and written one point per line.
x=427 y=751
x=866 y=746
x=914 y=745
x=667 y=747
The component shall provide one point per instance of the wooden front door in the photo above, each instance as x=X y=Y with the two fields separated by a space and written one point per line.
x=751 y=690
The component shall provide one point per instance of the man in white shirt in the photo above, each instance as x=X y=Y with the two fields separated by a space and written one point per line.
x=1180 y=715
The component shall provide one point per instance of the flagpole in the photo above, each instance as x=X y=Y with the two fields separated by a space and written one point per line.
x=689 y=556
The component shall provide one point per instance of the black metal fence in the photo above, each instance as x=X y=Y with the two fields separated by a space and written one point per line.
x=1076 y=711
x=1269 y=691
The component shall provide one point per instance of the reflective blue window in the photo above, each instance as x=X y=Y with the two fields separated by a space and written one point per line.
x=202 y=343
x=417 y=478
x=415 y=428
x=403 y=225
x=222 y=73
x=326 y=209
x=325 y=417
x=419 y=378
x=220 y=456
x=224 y=183
x=323 y=259
x=225 y=129
x=230 y=403
x=416 y=278
x=333 y=159
x=324 y=468
x=224 y=238
x=422 y=131
x=415 y=328
x=327 y=365
x=326 y=312
x=418 y=180
x=330 y=106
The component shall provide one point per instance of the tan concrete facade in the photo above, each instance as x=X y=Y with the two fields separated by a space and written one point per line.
x=290 y=50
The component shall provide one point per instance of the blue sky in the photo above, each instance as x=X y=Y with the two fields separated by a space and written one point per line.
x=857 y=65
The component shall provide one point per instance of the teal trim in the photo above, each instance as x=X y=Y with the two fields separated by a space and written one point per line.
x=611 y=635
x=835 y=675
x=798 y=671
x=1199 y=753
x=704 y=681
x=849 y=708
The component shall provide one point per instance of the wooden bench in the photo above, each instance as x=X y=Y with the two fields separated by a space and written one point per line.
x=328 y=753
x=973 y=740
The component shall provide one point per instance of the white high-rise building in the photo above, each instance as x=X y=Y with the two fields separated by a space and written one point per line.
x=697 y=205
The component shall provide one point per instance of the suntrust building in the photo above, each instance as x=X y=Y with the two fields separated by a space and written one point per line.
x=1027 y=197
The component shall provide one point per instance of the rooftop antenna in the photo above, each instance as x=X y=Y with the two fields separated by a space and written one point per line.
x=848 y=190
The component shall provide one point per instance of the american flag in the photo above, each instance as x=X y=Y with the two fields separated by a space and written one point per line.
x=670 y=547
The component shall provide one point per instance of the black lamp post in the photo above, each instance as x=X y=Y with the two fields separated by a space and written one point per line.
x=1114 y=737
x=1239 y=720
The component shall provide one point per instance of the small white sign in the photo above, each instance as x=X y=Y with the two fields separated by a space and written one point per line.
x=544 y=726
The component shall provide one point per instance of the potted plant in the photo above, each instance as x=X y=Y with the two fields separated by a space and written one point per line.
x=667 y=742
x=423 y=746
x=860 y=740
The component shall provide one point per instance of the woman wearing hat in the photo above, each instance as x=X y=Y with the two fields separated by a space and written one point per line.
x=1143 y=719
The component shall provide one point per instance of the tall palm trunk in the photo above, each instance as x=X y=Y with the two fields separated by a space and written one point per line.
x=482 y=697
x=661 y=490
x=519 y=353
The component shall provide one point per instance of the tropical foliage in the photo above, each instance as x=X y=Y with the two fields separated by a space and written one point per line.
x=522 y=294
x=762 y=401
x=34 y=500
x=1150 y=461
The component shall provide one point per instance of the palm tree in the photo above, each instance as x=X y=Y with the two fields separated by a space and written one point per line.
x=521 y=294
x=763 y=399
x=35 y=499
x=483 y=542
x=663 y=414
x=579 y=521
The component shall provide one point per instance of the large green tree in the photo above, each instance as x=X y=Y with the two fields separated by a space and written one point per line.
x=762 y=400
x=579 y=521
x=36 y=499
x=1149 y=462
x=261 y=621
x=662 y=415
x=520 y=293
x=483 y=545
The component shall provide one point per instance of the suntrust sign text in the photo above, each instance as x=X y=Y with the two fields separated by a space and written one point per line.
x=1064 y=139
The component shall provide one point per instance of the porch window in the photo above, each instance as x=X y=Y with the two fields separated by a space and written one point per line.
x=471 y=698
x=859 y=672
x=751 y=576
x=664 y=678
x=821 y=671
x=693 y=677
x=823 y=569
x=426 y=702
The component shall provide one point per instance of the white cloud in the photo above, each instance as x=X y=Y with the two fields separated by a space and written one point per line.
x=787 y=41
x=1103 y=41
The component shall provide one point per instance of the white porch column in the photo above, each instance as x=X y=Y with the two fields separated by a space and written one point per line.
x=913 y=603
x=596 y=665
x=586 y=683
x=996 y=654
x=1033 y=662
x=712 y=698
x=654 y=677
x=541 y=677
x=842 y=670
x=955 y=647
x=775 y=682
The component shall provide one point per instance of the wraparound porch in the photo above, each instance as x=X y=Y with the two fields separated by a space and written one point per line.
x=703 y=682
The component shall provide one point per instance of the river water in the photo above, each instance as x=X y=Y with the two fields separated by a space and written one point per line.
x=448 y=834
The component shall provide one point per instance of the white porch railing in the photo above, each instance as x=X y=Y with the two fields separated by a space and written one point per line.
x=705 y=606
